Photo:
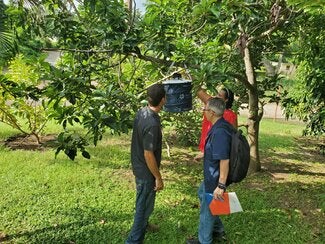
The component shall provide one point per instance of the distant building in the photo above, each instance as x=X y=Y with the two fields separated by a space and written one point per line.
x=52 y=57
x=286 y=69
x=273 y=68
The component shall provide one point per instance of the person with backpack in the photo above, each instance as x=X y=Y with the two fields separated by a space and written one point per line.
x=229 y=115
x=216 y=167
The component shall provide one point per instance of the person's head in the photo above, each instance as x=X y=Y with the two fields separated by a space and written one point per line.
x=155 y=94
x=214 y=107
x=227 y=95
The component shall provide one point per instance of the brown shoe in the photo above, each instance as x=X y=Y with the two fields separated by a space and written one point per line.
x=152 y=228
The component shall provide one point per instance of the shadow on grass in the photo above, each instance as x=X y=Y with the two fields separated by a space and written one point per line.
x=284 y=167
x=92 y=229
x=299 y=148
x=284 y=207
x=287 y=155
x=273 y=210
x=182 y=172
x=272 y=142
x=115 y=156
x=45 y=232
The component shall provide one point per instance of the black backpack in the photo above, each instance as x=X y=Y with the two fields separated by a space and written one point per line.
x=239 y=155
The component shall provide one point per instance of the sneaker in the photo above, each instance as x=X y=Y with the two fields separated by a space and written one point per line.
x=192 y=241
x=152 y=228
x=219 y=236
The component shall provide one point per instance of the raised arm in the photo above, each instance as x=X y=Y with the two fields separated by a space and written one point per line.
x=204 y=97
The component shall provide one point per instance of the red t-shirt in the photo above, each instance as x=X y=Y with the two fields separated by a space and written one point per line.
x=228 y=115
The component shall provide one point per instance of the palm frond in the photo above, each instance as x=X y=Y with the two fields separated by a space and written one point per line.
x=7 y=42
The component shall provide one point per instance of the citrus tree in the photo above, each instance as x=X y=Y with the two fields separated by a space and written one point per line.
x=224 y=41
x=110 y=54
x=20 y=104
x=306 y=97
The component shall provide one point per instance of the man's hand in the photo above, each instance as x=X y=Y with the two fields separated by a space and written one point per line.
x=218 y=193
x=152 y=165
x=159 y=184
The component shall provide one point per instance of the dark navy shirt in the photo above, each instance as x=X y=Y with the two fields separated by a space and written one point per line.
x=217 y=147
x=146 y=135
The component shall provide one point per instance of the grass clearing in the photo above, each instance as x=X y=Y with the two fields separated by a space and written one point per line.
x=47 y=200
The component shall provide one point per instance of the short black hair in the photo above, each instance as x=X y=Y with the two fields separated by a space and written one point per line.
x=155 y=93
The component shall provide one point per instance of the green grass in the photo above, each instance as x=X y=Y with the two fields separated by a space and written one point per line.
x=47 y=200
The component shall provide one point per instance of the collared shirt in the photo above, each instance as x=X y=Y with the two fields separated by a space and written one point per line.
x=146 y=135
x=217 y=147
x=228 y=115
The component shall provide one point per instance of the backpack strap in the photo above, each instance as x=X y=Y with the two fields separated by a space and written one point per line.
x=228 y=127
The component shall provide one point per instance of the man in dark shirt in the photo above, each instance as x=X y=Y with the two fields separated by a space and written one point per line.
x=216 y=167
x=146 y=150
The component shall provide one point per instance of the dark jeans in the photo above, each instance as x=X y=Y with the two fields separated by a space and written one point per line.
x=144 y=205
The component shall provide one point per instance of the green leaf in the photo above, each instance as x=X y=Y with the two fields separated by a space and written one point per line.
x=58 y=151
x=85 y=154
x=71 y=153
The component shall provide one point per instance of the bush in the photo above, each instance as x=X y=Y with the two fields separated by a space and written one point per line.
x=184 y=128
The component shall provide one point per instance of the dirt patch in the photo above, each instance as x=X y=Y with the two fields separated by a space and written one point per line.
x=3 y=236
x=30 y=142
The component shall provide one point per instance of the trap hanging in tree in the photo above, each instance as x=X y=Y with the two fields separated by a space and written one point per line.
x=178 y=94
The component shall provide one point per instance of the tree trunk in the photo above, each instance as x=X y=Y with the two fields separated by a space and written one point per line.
x=129 y=4
x=253 y=113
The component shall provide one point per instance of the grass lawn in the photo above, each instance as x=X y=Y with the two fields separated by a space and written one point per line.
x=47 y=200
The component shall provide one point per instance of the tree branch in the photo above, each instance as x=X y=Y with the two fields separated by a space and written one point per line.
x=77 y=50
x=156 y=60
x=193 y=32
x=161 y=80
x=265 y=33
x=242 y=79
x=9 y=119
x=276 y=20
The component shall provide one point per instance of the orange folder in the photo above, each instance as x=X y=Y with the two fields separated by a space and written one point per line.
x=229 y=204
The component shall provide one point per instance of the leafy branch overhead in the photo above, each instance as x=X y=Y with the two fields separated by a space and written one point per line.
x=109 y=55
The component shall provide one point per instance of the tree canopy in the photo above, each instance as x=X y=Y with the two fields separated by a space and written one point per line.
x=110 y=55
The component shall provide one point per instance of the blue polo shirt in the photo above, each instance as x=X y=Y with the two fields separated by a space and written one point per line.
x=217 y=147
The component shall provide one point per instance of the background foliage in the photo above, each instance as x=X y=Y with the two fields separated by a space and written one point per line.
x=110 y=55
x=306 y=98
